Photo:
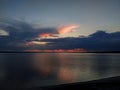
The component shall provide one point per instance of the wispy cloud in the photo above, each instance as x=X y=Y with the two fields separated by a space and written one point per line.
x=58 y=31
x=66 y=29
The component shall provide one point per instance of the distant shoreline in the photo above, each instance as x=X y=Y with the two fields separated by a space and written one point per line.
x=60 y=52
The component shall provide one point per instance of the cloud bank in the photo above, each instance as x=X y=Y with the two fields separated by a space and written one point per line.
x=21 y=36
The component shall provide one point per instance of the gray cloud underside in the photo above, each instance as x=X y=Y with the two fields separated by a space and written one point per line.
x=98 y=41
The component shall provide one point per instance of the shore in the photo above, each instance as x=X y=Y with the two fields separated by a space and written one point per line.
x=112 y=83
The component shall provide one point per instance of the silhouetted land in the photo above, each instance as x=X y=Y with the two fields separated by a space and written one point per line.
x=112 y=83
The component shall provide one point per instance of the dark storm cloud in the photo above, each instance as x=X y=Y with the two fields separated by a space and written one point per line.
x=18 y=32
x=22 y=29
x=98 y=41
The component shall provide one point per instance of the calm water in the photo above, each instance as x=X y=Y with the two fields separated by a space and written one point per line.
x=43 y=69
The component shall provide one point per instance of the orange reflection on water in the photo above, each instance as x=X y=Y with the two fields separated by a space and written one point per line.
x=66 y=74
x=65 y=69
x=42 y=64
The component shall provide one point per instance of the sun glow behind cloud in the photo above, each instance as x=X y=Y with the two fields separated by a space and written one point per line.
x=58 y=50
x=60 y=31
x=63 y=30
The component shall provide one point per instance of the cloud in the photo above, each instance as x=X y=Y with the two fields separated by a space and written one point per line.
x=3 y=33
x=17 y=29
x=57 y=31
x=15 y=32
x=66 y=29
x=20 y=36
x=45 y=35
x=98 y=41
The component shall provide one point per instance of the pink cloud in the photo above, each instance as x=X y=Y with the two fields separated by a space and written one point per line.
x=66 y=29
x=59 y=31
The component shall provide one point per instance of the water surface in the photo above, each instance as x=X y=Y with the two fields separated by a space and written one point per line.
x=44 y=69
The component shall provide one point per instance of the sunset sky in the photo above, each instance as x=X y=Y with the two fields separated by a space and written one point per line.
x=45 y=24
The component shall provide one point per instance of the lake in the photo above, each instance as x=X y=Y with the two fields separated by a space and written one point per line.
x=45 y=69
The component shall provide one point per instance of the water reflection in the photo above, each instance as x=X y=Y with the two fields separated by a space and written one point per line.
x=42 y=69
x=106 y=65
x=42 y=64
x=67 y=70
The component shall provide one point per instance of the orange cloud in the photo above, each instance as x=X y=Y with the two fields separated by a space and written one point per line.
x=60 y=30
x=58 y=50
x=66 y=29
x=44 y=35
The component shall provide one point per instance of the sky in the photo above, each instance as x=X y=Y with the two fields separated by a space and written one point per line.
x=91 y=15
x=56 y=19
